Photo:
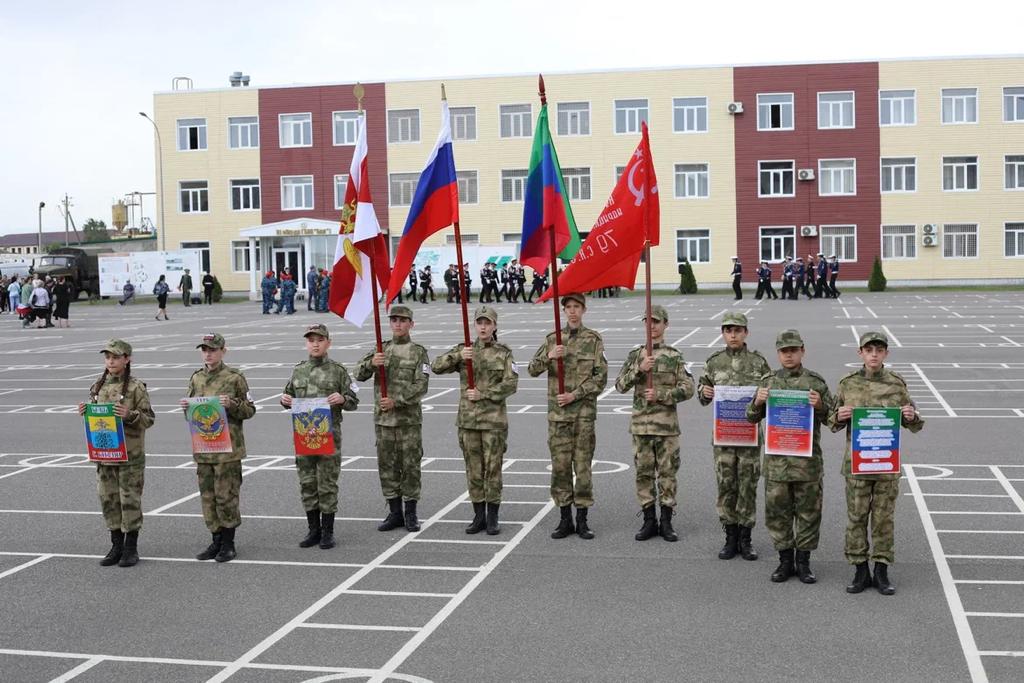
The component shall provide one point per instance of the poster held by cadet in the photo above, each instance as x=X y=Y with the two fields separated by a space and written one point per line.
x=789 y=423
x=208 y=423
x=730 y=410
x=311 y=426
x=875 y=441
x=104 y=433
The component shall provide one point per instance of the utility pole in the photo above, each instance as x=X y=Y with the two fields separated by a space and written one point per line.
x=67 y=205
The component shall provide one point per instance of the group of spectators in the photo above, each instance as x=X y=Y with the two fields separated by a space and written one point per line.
x=37 y=302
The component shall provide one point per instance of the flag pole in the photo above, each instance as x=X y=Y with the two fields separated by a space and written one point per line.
x=647 y=287
x=559 y=363
x=463 y=291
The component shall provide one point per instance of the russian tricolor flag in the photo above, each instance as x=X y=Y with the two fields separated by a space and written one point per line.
x=435 y=205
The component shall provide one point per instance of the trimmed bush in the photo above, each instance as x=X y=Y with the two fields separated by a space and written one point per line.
x=687 y=282
x=877 y=281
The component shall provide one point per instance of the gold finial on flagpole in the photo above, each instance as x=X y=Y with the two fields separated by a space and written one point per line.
x=359 y=91
x=444 y=97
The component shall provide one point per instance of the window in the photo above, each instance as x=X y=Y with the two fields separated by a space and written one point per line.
x=899 y=242
x=574 y=118
x=296 y=130
x=511 y=237
x=403 y=188
x=195 y=196
x=775 y=112
x=691 y=181
x=243 y=132
x=467 y=238
x=191 y=134
x=690 y=114
x=346 y=125
x=340 y=188
x=897 y=108
x=777 y=243
x=468 y=188
x=1014 y=172
x=837 y=176
x=577 y=183
x=516 y=120
x=629 y=114
x=840 y=240
x=245 y=194
x=463 y=123
x=1013 y=104
x=240 y=256
x=693 y=246
x=404 y=125
x=960 y=240
x=296 y=192
x=959 y=173
x=619 y=170
x=1013 y=236
x=204 y=253
x=513 y=185
x=835 y=110
x=776 y=178
x=959 y=105
x=899 y=174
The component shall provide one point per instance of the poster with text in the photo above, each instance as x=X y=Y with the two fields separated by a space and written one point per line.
x=208 y=425
x=311 y=426
x=731 y=425
x=789 y=423
x=104 y=433
x=875 y=441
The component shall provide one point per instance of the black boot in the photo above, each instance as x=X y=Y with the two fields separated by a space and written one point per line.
x=743 y=544
x=861 y=579
x=728 y=550
x=785 y=568
x=803 y=567
x=479 y=519
x=582 y=530
x=667 y=532
x=130 y=556
x=650 y=525
x=313 y=537
x=882 y=579
x=327 y=531
x=227 y=546
x=492 y=519
x=565 y=526
x=116 y=548
x=394 y=520
x=214 y=547
x=412 y=522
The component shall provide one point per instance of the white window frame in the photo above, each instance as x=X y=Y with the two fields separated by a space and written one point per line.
x=292 y=124
x=842 y=175
x=953 y=104
x=409 y=182
x=312 y=193
x=579 y=185
x=776 y=195
x=243 y=191
x=253 y=131
x=902 y=101
x=395 y=131
x=339 y=197
x=908 y=240
x=460 y=116
x=617 y=172
x=696 y=241
x=203 y=246
x=832 y=109
x=691 y=113
x=894 y=171
x=950 y=236
x=516 y=126
x=202 y=141
x=956 y=166
x=840 y=252
x=691 y=179
x=469 y=186
x=577 y=118
x=241 y=247
x=637 y=113
x=1019 y=238
x=1018 y=167
x=1016 y=103
x=769 y=105
x=776 y=238
x=467 y=238
x=349 y=124
x=516 y=184
x=195 y=196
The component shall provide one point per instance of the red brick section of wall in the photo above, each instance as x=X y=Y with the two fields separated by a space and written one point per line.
x=323 y=160
x=806 y=144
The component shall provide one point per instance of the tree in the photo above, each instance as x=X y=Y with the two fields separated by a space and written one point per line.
x=877 y=281
x=52 y=246
x=94 y=230
x=218 y=291
x=687 y=281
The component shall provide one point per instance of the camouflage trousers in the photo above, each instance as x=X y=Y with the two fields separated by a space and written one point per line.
x=219 y=485
x=120 y=491
x=789 y=505
x=571 y=445
x=656 y=459
x=318 y=482
x=483 y=450
x=737 y=471
x=399 y=452
x=875 y=499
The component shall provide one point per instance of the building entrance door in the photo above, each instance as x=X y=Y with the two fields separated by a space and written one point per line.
x=290 y=259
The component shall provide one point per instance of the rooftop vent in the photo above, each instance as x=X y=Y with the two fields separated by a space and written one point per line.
x=238 y=79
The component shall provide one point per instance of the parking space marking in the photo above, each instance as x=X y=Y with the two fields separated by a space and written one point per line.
x=80 y=669
x=24 y=565
x=935 y=392
x=245 y=472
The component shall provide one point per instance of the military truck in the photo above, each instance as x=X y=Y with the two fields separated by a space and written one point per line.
x=79 y=267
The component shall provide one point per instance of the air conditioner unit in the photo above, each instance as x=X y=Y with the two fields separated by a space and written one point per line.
x=808 y=230
x=929 y=240
x=735 y=107
x=805 y=174
x=928 y=229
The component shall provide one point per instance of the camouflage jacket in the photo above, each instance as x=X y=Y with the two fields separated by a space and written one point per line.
x=224 y=380
x=672 y=384
x=136 y=399
x=795 y=468
x=741 y=368
x=885 y=389
x=407 y=366
x=586 y=373
x=319 y=378
x=496 y=377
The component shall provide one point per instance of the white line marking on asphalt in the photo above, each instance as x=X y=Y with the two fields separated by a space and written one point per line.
x=358 y=627
x=440 y=393
x=846 y=313
x=1007 y=615
x=458 y=541
x=873 y=314
x=686 y=336
x=931 y=387
x=245 y=472
x=986 y=557
x=1008 y=487
x=892 y=337
x=1010 y=340
x=25 y=565
x=606 y=392
x=987 y=329
x=399 y=594
x=996 y=582
x=721 y=312
x=1001 y=653
x=978 y=531
x=80 y=669
x=856 y=337
x=714 y=341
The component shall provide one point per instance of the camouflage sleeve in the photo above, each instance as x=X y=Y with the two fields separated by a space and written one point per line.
x=683 y=390
x=833 y=414
x=915 y=425
x=595 y=384
x=364 y=368
x=629 y=373
x=825 y=407
x=539 y=363
x=243 y=407
x=704 y=381
x=289 y=388
x=417 y=388
x=192 y=389
x=448 y=361
x=141 y=414
x=348 y=391
x=509 y=382
x=756 y=413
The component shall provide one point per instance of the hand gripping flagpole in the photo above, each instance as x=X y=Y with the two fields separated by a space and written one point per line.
x=559 y=363
x=463 y=290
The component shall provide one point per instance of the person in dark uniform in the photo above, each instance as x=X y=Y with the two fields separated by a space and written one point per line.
x=737 y=275
x=538 y=285
x=426 y=285
x=503 y=278
x=787 y=279
x=208 y=281
x=449 y=283
x=833 y=274
x=764 y=278
x=809 y=281
x=820 y=276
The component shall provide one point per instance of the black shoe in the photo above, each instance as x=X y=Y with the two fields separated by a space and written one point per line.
x=650 y=525
x=786 y=568
x=394 y=520
x=666 y=530
x=227 y=546
x=412 y=522
x=882 y=582
x=130 y=556
x=479 y=519
x=861 y=579
x=214 y=547
x=729 y=550
x=327 y=531
x=313 y=536
x=113 y=555
x=803 y=567
x=743 y=544
x=582 y=530
x=492 y=519
x=565 y=526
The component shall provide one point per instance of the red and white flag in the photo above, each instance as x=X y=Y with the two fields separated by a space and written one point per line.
x=360 y=242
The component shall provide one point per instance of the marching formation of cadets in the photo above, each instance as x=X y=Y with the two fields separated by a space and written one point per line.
x=658 y=381
x=508 y=281
x=816 y=279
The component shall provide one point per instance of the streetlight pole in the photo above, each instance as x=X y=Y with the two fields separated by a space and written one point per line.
x=160 y=173
x=39 y=247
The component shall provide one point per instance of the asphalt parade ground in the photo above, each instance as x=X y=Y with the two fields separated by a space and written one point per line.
x=443 y=606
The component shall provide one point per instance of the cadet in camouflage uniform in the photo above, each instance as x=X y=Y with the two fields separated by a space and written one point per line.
x=871 y=495
x=321 y=377
x=398 y=419
x=571 y=416
x=220 y=474
x=482 y=420
x=792 y=484
x=119 y=484
x=737 y=469
x=655 y=424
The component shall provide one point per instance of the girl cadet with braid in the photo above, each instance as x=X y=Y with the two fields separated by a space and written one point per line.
x=119 y=484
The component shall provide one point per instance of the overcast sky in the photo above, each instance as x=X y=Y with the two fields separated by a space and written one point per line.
x=76 y=73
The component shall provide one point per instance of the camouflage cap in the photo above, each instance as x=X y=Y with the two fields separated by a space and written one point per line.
x=574 y=296
x=118 y=347
x=486 y=312
x=212 y=340
x=658 y=313
x=318 y=328
x=878 y=337
x=734 y=318
x=400 y=311
x=789 y=339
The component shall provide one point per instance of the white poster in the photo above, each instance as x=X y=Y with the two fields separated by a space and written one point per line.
x=144 y=268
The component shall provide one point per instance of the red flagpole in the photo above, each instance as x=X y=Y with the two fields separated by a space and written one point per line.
x=464 y=291
x=559 y=363
x=647 y=317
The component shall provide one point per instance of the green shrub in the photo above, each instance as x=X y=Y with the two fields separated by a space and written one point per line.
x=877 y=281
x=687 y=282
x=218 y=291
